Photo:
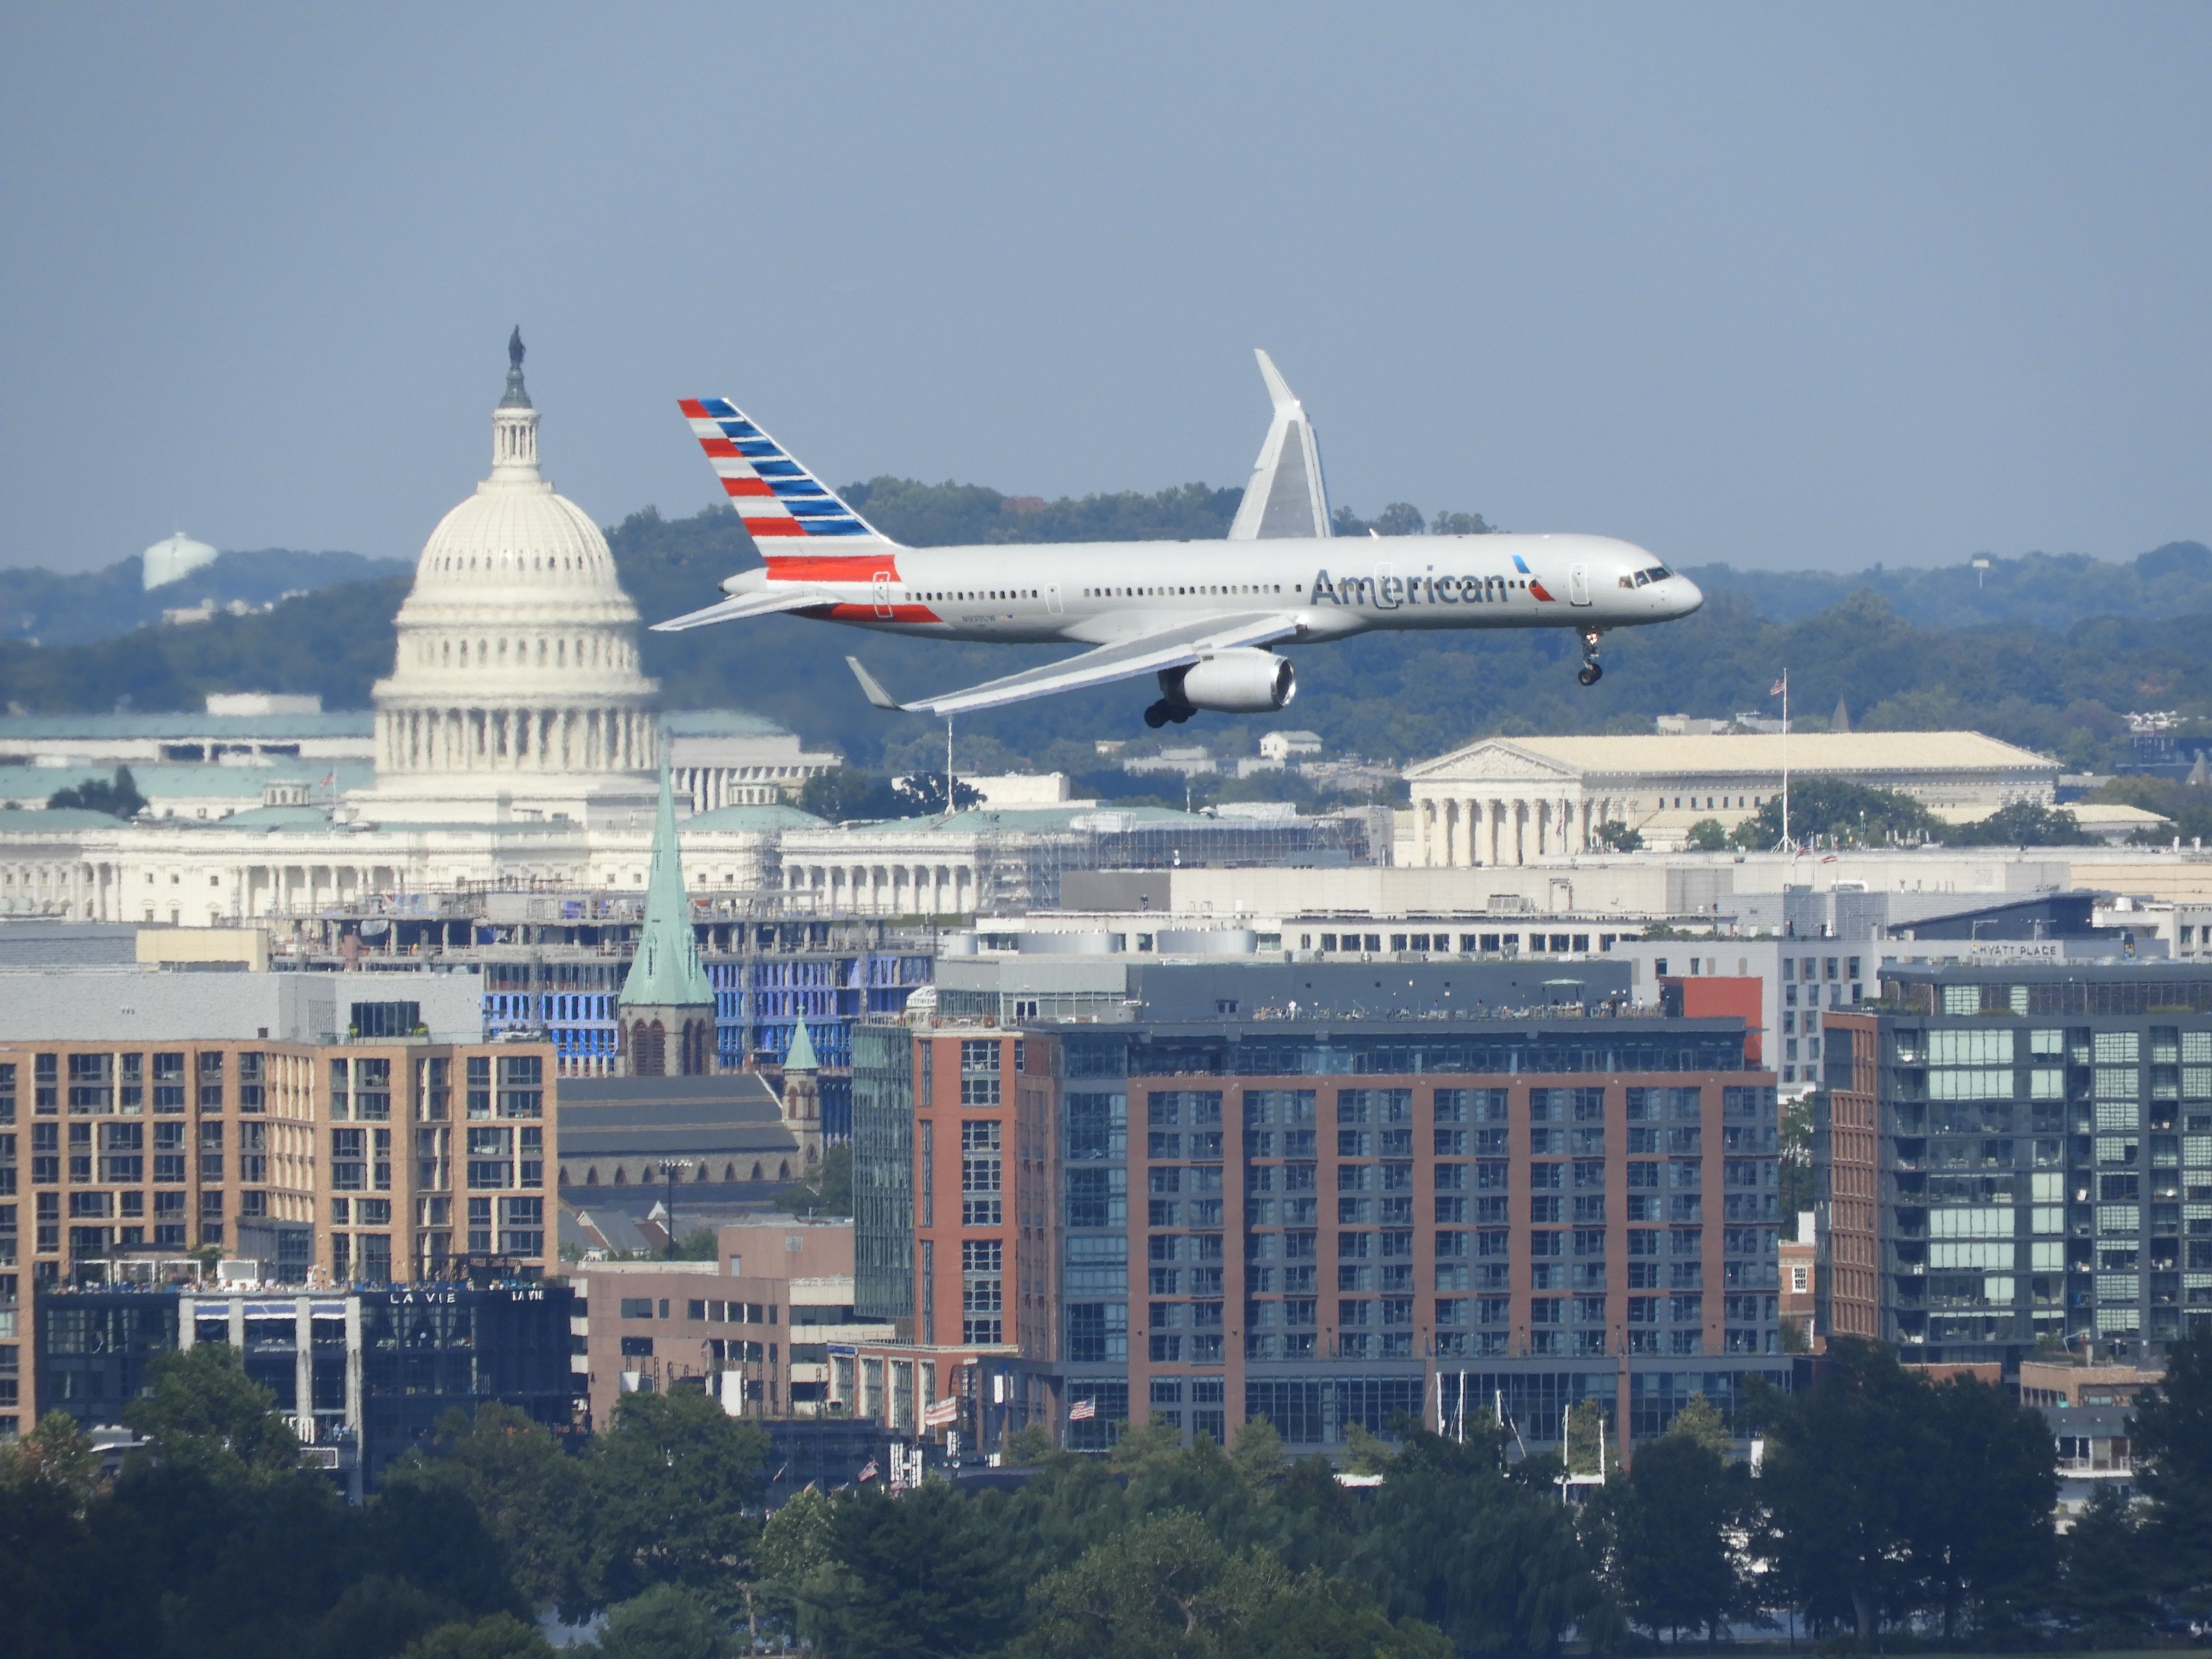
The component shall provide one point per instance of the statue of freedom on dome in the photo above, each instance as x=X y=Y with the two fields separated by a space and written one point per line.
x=514 y=349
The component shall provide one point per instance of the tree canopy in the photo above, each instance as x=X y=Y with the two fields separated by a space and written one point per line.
x=118 y=797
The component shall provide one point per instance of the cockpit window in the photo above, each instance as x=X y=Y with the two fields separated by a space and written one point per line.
x=1643 y=577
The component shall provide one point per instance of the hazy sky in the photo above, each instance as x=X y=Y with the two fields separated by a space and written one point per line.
x=1779 y=285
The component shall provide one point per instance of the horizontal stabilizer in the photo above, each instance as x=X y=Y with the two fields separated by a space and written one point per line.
x=1123 y=660
x=737 y=609
x=1287 y=496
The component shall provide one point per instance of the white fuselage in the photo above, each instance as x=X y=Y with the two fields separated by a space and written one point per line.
x=1095 y=594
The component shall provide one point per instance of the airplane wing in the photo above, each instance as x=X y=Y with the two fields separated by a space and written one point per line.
x=1123 y=660
x=1287 y=496
x=736 y=608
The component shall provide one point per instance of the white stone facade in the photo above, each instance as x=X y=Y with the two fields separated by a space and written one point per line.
x=1521 y=800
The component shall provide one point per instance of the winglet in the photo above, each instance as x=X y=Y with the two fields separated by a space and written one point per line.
x=871 y=689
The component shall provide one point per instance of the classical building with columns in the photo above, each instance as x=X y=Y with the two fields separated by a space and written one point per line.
x=1520 y=800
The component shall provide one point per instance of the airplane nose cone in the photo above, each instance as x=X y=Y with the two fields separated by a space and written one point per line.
x=1691 y=598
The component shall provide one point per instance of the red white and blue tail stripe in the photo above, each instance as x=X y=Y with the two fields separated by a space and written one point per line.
x=773 y=494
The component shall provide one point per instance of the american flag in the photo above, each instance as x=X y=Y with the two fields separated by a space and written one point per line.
x=1082 y=1409
x=869 y=1472
x=1777 y=688
x=329 y=779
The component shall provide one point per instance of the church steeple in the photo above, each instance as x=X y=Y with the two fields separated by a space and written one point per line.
x=666 y=990
x=799 y=1057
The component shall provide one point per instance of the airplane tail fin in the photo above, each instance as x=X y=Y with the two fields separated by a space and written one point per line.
x=780 y=501
x=1287 y=496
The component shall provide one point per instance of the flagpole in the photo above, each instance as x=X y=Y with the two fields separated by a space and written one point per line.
x=1786 y=842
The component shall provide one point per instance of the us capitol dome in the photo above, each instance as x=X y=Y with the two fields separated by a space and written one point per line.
x=516 y=692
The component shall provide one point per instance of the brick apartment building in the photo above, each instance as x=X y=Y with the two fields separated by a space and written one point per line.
x=375 y=1158
x=1329 y=1223
x=2019 y=1151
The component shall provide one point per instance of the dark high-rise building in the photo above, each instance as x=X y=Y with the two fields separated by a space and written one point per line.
x=2016 y=1151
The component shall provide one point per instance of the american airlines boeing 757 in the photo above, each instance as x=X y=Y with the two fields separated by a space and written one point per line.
x=1205 y=617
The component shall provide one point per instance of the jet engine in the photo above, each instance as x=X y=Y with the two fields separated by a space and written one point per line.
x=1245 y=681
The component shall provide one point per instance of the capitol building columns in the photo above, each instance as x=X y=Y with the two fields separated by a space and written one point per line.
x=536 y=739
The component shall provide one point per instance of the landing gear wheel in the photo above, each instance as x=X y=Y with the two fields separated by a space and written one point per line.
x=1159 y=715
x=1181 y=714
x=1591 y=673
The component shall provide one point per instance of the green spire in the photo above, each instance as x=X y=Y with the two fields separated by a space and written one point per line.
x=799 y=1057
x=666 y=972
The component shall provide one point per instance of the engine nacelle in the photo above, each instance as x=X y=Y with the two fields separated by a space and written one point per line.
x=1244 y=681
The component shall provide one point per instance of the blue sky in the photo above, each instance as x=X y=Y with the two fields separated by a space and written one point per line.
x=1783 y=286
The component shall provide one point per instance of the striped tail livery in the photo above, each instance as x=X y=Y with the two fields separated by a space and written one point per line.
x=775 y=495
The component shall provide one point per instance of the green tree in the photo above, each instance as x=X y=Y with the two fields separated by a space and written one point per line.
x=500 y=1636
x=2107 y=1593
x=1618 y=837
x=2172 y=1447
x=1750 y=835
x=700 y=1244
x=828 y=1188
x=1709 y=835
x=1699 y=1420
x=2022 y=823
x=1495 y=1564
x=201 y=1409
x=1318 y=1616
x=796 y=1559
x=1982 y=1534
x=1586 y=1437
x=921 y=1576
x=922 y=795
x=533 y=1496
x=844 y=793
x=55 y=1455
x=51 y=1568
x=1844 y=1477
x=1673 y=1563
x=1798 y=1189
x=118 y=798
x=664 y=1623
x=1848 y=814
x=1164 y=1586
x=670 y=1486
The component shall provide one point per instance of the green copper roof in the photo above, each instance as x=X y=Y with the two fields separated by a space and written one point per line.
x=666 y=972
x=799 y=1057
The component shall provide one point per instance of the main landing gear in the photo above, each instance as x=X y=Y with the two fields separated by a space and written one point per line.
x=1591 y=672
x=1172 y=705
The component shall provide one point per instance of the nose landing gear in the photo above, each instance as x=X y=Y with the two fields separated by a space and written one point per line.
x=1591 y=672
